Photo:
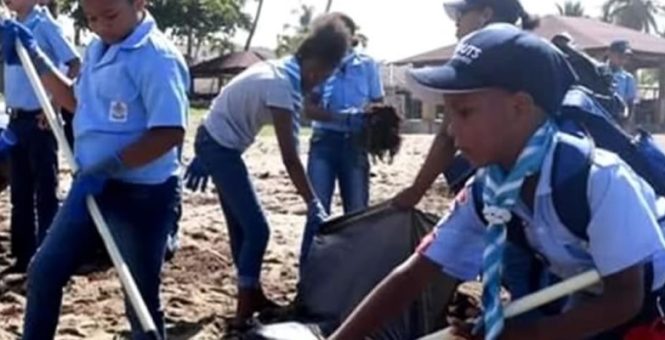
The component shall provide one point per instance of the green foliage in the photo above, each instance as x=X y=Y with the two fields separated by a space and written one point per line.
x=636 y=14
x=196 y=22
x=571 y=9
x=288 y=43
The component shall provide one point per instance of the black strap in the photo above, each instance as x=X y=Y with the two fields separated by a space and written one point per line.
x=569 y=181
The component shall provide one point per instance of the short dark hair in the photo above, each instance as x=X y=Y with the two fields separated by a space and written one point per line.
x=351 y=25
x=327 y=41
x=512 y=11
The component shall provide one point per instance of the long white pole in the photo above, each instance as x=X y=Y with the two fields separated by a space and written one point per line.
x=539 y=298
x=119 y=263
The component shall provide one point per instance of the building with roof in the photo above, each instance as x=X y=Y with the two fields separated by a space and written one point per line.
x=592 y=36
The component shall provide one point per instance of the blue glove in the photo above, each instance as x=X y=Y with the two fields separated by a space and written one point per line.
x=316 y=215
x=196 y=176
x=7 y=141
x=12 y=30
x=91 y=180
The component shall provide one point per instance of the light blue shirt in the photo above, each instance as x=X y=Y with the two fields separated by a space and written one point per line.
x=625 y=86
x=52 y=41
x=623 y=230
x=355 y=83
x=126 y=89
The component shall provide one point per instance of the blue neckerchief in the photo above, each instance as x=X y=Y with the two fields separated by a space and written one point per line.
x=291 y=67
x=501 y=192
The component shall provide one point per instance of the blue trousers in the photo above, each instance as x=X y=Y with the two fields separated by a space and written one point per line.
x=337 y=157
x=247 y=225
x=34 y=183
x=140 y=218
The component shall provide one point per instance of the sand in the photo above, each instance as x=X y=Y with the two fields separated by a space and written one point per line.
x=199 y=283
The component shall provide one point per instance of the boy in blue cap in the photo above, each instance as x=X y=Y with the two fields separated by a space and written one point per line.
x=131 y=105
x=34 y=160
x=502 y=88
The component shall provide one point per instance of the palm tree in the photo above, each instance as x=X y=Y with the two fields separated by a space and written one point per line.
x=248 y=43
x=571 y=9
x=328 y=6
x=636 y=14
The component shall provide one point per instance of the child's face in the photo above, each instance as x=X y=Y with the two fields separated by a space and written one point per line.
x=313 y=73
x=618 y=59
x=20 y=6
x=482 y=125
x=113 y=20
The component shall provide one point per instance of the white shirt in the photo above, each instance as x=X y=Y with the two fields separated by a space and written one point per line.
x=244 y=105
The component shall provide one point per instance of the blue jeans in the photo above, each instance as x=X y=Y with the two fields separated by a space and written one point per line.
x=337 y=156
x=245 y=220
x=34 y=163
x=139 y=217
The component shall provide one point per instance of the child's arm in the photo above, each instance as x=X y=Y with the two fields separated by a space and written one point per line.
x=439 y=157
x=389 y=298
x=621 y=300
x=60 y=88
x=283 y=122
x=152 y=145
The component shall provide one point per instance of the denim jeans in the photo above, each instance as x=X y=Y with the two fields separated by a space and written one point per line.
x=34 y=163
x=247 y=225
x=139 y=217
x=337 y=156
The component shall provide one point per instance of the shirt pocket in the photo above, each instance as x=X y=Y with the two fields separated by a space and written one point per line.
x=119 y=99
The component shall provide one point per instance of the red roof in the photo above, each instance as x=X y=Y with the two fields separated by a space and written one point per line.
x=232 y=63
x=588 y=34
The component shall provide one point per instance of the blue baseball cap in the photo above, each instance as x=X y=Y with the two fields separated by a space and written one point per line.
x=502 y=56
x=621 y=47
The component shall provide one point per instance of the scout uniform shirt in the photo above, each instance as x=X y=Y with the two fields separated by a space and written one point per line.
x=623 y=230
x=52 y=41
x=353 y=85
x=124 y=90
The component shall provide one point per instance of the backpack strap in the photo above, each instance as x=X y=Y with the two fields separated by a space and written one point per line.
x=569 y=180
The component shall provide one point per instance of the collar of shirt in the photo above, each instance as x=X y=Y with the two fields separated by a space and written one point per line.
x=138 y=38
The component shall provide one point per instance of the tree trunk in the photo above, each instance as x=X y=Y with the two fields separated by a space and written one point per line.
x=190 y=46
x=328 y=6
x=248 y=44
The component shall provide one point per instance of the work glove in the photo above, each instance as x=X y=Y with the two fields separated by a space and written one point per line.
x=7 y=141
x=13 y=31
x=196 y=176
x=91 y=180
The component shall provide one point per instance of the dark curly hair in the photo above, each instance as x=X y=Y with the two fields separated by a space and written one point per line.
x=381 y=137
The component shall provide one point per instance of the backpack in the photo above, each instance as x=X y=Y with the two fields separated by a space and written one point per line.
x=595 y=76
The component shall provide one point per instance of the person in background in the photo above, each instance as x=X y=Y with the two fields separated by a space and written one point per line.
x=34 y=159
x=335 y=154
x=624 y=82
x=72 y=71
